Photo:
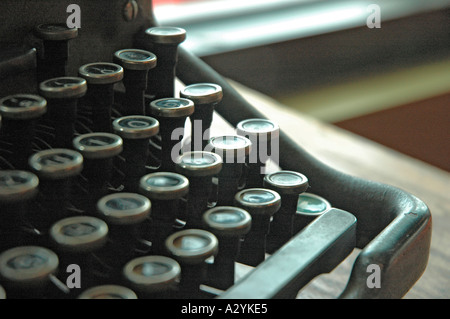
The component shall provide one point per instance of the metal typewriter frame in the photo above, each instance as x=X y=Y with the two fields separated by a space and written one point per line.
x=393 y=228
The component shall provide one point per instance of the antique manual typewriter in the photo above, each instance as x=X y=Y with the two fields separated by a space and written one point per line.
x=111 y=184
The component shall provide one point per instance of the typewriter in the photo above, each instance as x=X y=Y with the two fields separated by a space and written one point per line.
x=111 y=184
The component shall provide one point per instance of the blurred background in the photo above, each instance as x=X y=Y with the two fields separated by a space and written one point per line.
x=389 y=83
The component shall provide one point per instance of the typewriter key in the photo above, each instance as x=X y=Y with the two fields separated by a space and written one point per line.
x=135 y=131
x=164 y=43
x=206 y=96
x=289 y=185
x=165 y=190
x=26 y=271
x=261 y=204
x=199 y=168
x=153 y=276
x=101 y=77
x=19 y=114
x=124 y=208
x=125 y=213
x=76 y=239
x=264 y=137
x=56 y=169
x=171 y=114
x=309 y=207
x=136 y=64
x=52 y=61
x=191 y=248
x=99 y=151
x=62 y=95
x=79 y=234
x=17 y=189
x=233 y=149
x=108 y=292
x=229 y=224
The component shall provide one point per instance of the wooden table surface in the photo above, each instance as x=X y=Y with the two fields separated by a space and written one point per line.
x=358 y=156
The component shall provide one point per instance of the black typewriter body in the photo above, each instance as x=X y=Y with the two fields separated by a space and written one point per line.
x=392 y=228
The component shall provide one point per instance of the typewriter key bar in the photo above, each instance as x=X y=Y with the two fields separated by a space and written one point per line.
x=136 y=64
x=171 y=113
x=153 y=276
x=19 y=114
x=17 y=190
x=164 y=43
x=53 y=57
x=101 y=78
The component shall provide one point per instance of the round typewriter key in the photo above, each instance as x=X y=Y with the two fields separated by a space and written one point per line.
x=136 y=64
x=62 y=95
x=63 y=88
x=227 y=221
x=134 y=127
x=17 y=186
x=17 y=189
x=199 y=168
x=55 y=32
x=206 y=97
x=56 y=163
x=19 y=115
x=287 y=182
x=53 y=56
x=25 y=271
x=164 y=186
x=199 y=164
x=99 y=151
x=56 y=169
x=289 y=185
x=135 y=131
x=191 y=248
x=101 y=77
x=261 y=204
x=164 y=43
x=101 y=73
x=153 y=276
x=233 y=149
x=135 y=59
x=166 y=35
x=229 y=224
x=124 y=208
x=264 y=137
x=230 y=147
x=125 y=213
x=76 y=239
x=79 y=234
x=108 y=292
x=22 y=107
x=172 y=108
x=171 y=114
x=165 y=190
x=203 y=93
x=98 y=145
x=309 y=207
